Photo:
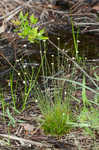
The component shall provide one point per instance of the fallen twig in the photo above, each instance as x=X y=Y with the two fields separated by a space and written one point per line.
x=23 y=141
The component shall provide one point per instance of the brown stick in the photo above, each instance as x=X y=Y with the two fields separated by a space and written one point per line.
x=1 y=54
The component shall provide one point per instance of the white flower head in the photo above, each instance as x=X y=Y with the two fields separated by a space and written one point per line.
x=19 y=74
x=24 y=66
x=52 y=64
x=58 y=38
x=78 y=41
x=24 y=45
x=23 y=82
x=17 y=60
x=73 y=58
x=44 y=40
x=52 y=55
x=36 y=101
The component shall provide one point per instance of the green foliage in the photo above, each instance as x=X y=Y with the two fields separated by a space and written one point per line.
x=75 y=40
x=57 y=116
x=90 y=118
x=12 y=121
x=84 y=96
x=28 y=88
x=26 y=28
x=56 y=120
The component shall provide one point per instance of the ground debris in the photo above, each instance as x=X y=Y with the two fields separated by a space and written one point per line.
x=52 y=15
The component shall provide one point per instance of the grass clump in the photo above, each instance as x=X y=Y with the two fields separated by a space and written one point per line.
x=57 y=116
x=56 y=120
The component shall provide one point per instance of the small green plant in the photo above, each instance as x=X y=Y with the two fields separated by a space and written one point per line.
x=56 y=120
x=28 y=81
x=56 y=113
x=26 y=27
x=76 y=41
x=28 y=88
x=89 y=116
